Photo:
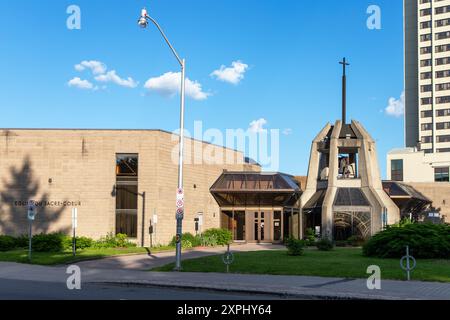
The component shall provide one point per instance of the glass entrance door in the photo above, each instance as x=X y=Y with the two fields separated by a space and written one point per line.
x=277 y=226
x=259 y=227
x=239 y=226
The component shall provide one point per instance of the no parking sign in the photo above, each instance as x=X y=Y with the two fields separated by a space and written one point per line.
x=180 y=204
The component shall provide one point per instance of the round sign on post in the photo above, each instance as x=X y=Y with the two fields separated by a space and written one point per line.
x=180 y=204
x=31 y=212
x=180 y=213
x=228 y=258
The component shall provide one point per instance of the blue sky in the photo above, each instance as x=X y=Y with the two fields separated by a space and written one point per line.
x=291 y=48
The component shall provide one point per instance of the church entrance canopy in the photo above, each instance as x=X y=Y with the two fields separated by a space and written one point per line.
x=409 y=200
x=254 y=189
x=257 y=207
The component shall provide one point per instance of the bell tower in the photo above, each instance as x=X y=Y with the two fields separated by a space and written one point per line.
x=344 y=196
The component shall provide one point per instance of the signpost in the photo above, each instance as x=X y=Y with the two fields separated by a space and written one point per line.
x=154 y=222
x=179 y=217
x=74 y=228
x=228 y=258
x=180 y=204
x=408 y=268
x=31 y=214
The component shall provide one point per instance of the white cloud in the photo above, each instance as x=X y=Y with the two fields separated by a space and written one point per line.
x=287 y=131
x=169 y=84
x=96 y=67
x=233 y=74
x=257 y=126
x=112 y=76
x=396 y=107
x=81 y=84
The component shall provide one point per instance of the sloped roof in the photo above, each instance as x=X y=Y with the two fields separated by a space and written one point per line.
x=350 y=197
x=400 y=190
x=255 y=189
x=255 y=182
x=316 y=200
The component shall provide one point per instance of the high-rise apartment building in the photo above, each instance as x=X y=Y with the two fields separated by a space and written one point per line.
x=427 y=75
x=425 y=162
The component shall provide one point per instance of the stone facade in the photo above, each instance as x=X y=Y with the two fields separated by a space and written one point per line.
x=439 y=193
x=60 y=169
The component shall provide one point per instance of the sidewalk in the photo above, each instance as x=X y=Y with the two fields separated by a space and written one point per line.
x=289 y=286
x=149 y=261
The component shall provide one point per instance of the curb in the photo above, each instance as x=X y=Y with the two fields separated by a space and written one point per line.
x=286 y=294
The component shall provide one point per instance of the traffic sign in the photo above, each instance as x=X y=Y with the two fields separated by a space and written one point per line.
x=31 y=213
x=74 y=218
x=180 y=203
x=180 y=194
x=180 y=213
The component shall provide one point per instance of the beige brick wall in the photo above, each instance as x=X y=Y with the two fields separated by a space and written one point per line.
x=79 y=166
x=439 y=193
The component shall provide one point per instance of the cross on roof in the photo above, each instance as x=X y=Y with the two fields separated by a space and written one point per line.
x=344 y=64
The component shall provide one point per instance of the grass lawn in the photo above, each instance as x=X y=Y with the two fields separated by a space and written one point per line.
x=341 y=262
x=54 y=258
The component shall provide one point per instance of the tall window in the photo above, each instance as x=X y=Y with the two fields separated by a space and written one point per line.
x=441 y=174
x=397 y=170
x=127 y=194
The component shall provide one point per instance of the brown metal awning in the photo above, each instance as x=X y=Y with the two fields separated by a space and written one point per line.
x=408 y=199
x=316 y=200
x=255 y=189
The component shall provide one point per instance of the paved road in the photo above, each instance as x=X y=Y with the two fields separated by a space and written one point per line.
x=149 y=261
x=292 y=286
x=35 y=290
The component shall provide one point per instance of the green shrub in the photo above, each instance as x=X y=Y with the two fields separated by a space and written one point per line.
x=223 y=236
x=122 y=241
x=356 y=241
x=84 y=243
x=324 y=245
x=7 y=243
x=52 y=242
x=295 y=247
x=208 y=240
x=113 y=241
x=81 y=243
x=22 y=241
x=310 y=237
x=186 y=244
x=427 y=241
x=194 y=240
x=403 y=223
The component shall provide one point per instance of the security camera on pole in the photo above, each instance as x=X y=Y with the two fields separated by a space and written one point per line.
x=143 y=22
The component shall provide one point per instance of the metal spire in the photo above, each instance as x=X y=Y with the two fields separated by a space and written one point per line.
x=344 y=91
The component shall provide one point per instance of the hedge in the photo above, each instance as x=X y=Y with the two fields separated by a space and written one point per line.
x=426 y=241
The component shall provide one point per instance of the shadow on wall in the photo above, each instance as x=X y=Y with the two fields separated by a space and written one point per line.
x=16 y=193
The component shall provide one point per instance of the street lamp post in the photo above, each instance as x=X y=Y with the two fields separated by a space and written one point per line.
x=143 y=22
